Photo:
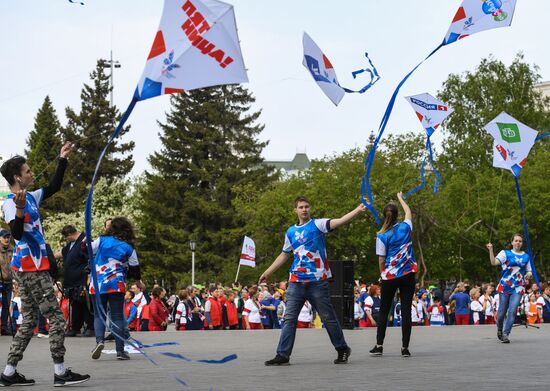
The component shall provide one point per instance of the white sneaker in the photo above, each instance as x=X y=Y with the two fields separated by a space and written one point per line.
x=40 y=335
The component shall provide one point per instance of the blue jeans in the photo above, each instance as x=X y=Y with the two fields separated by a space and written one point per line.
x=116 y=315
x=318 y=294
x=6 y=301
x=507 y=307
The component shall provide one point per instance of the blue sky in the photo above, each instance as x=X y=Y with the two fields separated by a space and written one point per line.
x=50 y=46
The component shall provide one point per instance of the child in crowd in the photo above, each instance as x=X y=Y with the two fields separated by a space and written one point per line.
x=531 y=310
x=183 y=313
x=436 y=313
x=477 y=309
x=229 y=312
x=305 y=318
x=415 y=315
x=130 y=311
x=251 y=313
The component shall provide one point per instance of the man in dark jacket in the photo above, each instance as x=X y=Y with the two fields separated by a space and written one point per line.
x=75 y=274
x=6 y=252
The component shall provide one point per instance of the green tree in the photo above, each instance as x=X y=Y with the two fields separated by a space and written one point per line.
x=209 y=146
x=43 y=146
x=90 y=129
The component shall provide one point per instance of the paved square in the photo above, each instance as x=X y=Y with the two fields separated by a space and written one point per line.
x=444 y=358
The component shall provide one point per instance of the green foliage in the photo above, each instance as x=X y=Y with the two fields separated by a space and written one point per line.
x=91 y=129
x=43 y=146
x=209 y=146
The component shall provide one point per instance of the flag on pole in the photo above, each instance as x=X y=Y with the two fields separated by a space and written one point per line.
x=248 y=254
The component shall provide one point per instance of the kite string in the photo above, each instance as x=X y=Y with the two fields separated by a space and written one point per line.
x=526 y=232
x=495 y=208
x=365 y=182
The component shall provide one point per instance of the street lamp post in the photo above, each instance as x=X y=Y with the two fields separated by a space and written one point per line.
x=193 y=246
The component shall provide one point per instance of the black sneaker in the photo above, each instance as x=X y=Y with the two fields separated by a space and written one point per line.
x=122 y=355
x=69 y=378
x=376 y=350
x=278 y=360
x=504 y=339
x=5 y=332
x=16 y=379
x=343 y=356
x=96 y=353
x=405 y=352
x=499 y=334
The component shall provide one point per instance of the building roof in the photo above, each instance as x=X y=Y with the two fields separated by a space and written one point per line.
x=300 y=162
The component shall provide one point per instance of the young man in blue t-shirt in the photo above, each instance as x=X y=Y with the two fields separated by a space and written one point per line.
x=308 y=280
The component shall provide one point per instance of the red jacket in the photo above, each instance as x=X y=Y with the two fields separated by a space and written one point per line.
x=158 y=313
x=215 y=312
x=133 y=325
x=231 y=310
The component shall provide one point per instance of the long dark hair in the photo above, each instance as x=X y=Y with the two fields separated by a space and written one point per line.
x=390 y=213
x=122 y=229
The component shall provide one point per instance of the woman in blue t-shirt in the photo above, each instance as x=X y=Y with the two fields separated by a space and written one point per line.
x=397 y=271
x=515 y=270
x=114 y=258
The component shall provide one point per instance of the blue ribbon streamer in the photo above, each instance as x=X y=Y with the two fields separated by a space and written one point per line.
x=374 y=77
x=365 y=182
x=542 y=136
x=437 y=179
x=224 y=360
x=154 y=345
x=76 y=2
x=526 y=232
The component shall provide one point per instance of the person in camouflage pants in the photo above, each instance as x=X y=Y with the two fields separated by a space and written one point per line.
x=36 y=291
x=31 y=267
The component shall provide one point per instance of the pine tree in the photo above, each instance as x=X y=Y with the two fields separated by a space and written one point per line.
x=91 y=129
x=209 y=146
x=43 y=146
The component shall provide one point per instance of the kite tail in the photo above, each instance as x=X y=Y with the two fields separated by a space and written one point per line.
x=437 y=179
x=542 y=136
x=422 y=185
x=374 y=77
x=526 y=232
x=88 y=221
x=370 y=157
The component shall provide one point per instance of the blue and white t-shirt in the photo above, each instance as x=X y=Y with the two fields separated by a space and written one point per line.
x=112 y=259
x=396 y=245
x=307 y=242
x=29 y=254
x=514 y=267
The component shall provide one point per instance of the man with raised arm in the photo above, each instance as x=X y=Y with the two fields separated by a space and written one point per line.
x=308 y=280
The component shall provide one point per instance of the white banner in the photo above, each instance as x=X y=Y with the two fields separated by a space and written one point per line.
x=248 y=254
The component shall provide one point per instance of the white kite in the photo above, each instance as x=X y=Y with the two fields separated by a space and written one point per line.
x=322 y=71
x=196 y=46
x=474 y=16
x=512 y=142
x=431 y=112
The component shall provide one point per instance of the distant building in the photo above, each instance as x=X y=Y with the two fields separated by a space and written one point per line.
x=290 y=167
x=544 y=87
